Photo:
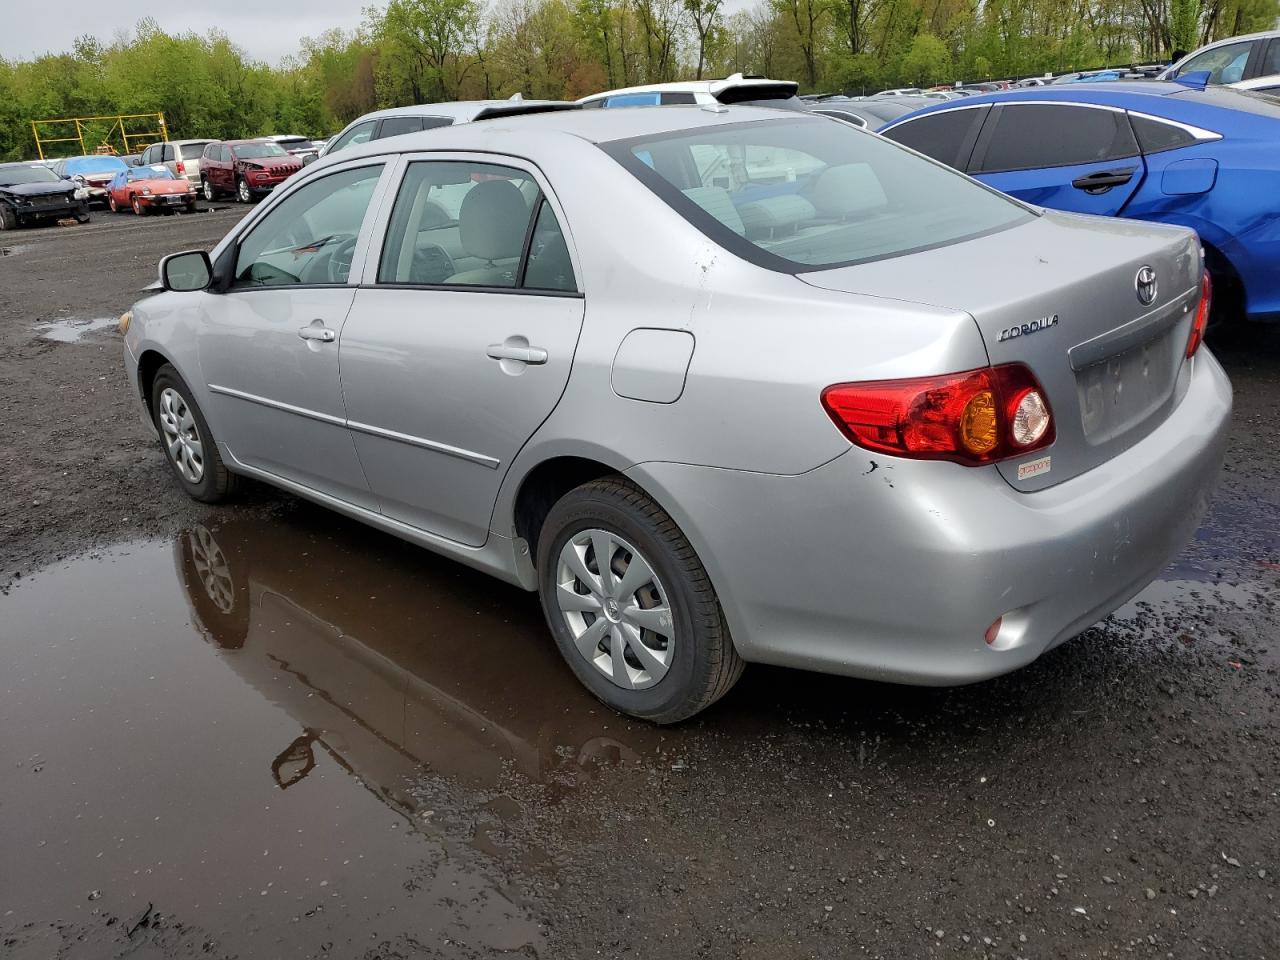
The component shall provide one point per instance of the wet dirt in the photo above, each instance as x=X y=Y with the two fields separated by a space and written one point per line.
x=387 y=745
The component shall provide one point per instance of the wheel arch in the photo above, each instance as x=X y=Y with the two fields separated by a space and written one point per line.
x=545 y=482
x=149 y=363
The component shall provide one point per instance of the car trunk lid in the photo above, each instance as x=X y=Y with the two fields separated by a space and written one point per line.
x=1060 y=294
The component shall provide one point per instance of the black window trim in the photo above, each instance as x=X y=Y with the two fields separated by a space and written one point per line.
x=740 y=246
x=451 y=156
x=979 y=155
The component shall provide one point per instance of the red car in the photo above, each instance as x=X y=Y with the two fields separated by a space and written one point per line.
x=150 y=189
x=247 y=169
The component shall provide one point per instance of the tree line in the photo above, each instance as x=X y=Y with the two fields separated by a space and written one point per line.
x=420 y=51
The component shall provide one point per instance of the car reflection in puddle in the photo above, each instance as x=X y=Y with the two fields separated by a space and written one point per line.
x=294 y=727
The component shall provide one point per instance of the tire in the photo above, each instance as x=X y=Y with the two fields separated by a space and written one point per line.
x=243 y=193
x=8 y=219
x=189 y=207
x=111 y=203
x=137 y=206
x=82 y=215
x=206 y=188
x=701 y=663
x=207 y=480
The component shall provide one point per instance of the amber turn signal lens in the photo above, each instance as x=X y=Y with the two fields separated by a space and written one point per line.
x=979 y=430
x=126 y=318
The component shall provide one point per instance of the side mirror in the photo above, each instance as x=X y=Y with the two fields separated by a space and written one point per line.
x=309 y=158
x=187 y=271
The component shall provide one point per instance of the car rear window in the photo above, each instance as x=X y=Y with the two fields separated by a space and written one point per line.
x=189 y=151
x=802 y=194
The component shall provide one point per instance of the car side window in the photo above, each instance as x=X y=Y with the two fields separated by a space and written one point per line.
x=459 y=223
x=226 y=156
x=360 y=133
x=397 y=126
x=1224 y=64
x=309 y=237
x=146 y=156
x=1271 y=62
x=678 y=98
x=1031 y=136
x=943 y=135
x=167 y=155
x=1154 y=135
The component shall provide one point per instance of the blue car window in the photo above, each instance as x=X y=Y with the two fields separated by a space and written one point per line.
x=1154 y=136
x=634 y=100
x=1035 y=135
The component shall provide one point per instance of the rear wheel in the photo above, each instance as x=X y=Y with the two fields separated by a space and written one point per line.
x=631 y=606
x=111 y=203
x=207 y=189
x=187 y=440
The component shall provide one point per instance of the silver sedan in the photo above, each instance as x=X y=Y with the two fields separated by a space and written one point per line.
x=722 y=385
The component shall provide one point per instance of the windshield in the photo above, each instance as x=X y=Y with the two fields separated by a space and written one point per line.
x=807 y=193
x=103 y=164
x=254 y=151
x=33 y=174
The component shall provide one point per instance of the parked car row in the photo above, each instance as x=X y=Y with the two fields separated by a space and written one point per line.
x=899 y=376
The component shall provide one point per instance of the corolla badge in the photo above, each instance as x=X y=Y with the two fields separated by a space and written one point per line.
x=1026 y=329
x=1145 y=285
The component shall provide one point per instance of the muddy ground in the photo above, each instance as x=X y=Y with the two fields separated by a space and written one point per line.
x=262 y=730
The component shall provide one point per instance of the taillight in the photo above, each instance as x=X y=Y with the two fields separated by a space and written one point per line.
x=182 y=167
x=1196 y=336
x=974 y=417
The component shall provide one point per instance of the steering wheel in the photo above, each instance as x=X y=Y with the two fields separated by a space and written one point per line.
x=339 y=265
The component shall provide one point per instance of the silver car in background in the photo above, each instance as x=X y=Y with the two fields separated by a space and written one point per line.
x=182 y=157
x=721 y=386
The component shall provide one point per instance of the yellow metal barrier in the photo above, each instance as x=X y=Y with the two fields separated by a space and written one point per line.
x=48 y=133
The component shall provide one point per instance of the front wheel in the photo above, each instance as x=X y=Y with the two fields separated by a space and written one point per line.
x=82 y=214
x=631 y=606
x=8 y=219
x=137 y=205
x=243 y=194
x=187 y=440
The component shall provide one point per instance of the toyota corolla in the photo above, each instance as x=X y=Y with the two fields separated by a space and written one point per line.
x=721 y=385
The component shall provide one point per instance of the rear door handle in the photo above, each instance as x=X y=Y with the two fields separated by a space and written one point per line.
x=316 y=330
x=509 y=351
x=1104 y=180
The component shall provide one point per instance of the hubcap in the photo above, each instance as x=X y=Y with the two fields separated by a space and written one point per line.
x=616 y=609
x=244 y=191
x=212 y=569
x=208 y=191
x=181 y=437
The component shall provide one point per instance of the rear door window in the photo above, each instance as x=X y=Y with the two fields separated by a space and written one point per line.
x=1037 y=135
x=946 y=135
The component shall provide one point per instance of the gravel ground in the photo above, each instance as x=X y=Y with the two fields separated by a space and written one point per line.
x=1118 y=797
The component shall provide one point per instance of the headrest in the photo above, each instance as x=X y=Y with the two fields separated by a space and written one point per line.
x=717 y=202
x=492 y=220
x=848 y=189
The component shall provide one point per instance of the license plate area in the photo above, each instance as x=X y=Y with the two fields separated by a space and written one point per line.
x=1119 y=392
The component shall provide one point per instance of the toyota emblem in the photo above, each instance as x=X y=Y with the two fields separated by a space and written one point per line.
x=1145 y=285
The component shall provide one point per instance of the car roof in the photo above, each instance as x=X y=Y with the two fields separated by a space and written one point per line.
x=458 y=110
x=713 y=87
x=591 y=126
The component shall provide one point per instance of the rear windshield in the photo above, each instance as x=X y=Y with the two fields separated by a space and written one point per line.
x=189 y=151
x=33 y=174
x=801 y=194
x=254 y=151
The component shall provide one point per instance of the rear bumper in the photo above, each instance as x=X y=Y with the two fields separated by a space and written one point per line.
x=895 y=571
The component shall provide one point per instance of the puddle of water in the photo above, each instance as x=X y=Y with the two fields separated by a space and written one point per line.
x=264 y=728
x=73 y=329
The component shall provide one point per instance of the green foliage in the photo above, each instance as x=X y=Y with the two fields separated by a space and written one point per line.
x=419 y=51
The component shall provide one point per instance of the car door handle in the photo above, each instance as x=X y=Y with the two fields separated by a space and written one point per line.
x=510 y=351
x=316 y=330
x=1104 y=180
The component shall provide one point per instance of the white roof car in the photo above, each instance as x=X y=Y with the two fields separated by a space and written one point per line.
x=736 y=88
x=1267 y=84
x=396 y=121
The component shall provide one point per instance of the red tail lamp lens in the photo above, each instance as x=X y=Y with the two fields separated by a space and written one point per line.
x=182 y=167
x=974 y=417
x=1202 y=316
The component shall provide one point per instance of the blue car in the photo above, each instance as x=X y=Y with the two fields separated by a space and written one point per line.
x=1206 y=158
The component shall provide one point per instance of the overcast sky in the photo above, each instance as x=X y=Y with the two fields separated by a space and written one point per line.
x=267 y=34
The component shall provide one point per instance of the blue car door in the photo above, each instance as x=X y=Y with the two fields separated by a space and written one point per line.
x=1067 y=156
